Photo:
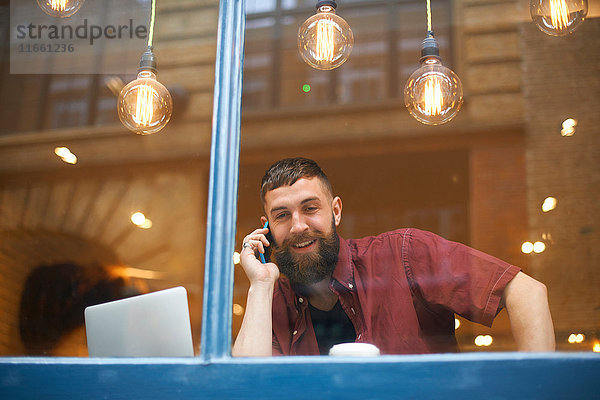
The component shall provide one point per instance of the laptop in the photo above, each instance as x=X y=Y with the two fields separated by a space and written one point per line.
x=150 y=325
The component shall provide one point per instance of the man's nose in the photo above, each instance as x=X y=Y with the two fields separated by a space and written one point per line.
x=298 y=224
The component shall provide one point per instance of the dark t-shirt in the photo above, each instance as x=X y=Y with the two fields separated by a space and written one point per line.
x=331 y=327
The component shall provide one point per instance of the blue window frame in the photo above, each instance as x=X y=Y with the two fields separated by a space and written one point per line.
x=216 y=375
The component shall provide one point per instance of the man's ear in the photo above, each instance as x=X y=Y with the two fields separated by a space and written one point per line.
x=336 y=206
x=263 y=220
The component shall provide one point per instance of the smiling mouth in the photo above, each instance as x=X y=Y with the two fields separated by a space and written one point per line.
x=304 y=244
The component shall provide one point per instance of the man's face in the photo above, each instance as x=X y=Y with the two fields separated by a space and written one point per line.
x=302 y=219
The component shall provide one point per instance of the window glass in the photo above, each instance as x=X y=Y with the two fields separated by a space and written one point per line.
x=90 y=211
x=512 y=175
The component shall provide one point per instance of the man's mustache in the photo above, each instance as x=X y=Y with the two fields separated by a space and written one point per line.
x=300 y=238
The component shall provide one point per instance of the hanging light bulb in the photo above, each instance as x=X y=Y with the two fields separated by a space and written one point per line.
x=558 y=17
x=325 y=40
x=145 y=105
x=60 y=8
x=433 y=94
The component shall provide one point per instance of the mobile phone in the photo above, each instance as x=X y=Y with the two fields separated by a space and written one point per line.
x=266 y=257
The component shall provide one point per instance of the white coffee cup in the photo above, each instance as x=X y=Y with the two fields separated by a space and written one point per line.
x=354 y=350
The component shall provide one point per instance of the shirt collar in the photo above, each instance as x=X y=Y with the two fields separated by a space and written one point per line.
x=343 y=272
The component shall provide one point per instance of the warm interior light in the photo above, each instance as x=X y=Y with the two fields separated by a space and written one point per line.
x=527 y=247
x=558 y=17
x=145 y=105
x=456 y=323
x=60 y=8
x=62 y=151
x=549 y=204
x=138 y=218
x=568 y=127
x=58 y=5
x=325 y=40
x=238 y=309
x=484 y=340
x=539 y=247
x=433 y=96
x=575 y=338
x=559 y=13
x=144 y=108
x=596 y=347
x=236 y=257
x=65 y=154
x=433 y=93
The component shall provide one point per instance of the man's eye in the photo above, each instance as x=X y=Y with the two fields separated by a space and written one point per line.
x=281 y=216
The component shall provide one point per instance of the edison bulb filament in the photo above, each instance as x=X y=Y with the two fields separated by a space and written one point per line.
x=325 y=40
x=433 y=97
x=145 y=105
x=144 y=108
x=433 y=94
x=60 y=8
x=558 y=17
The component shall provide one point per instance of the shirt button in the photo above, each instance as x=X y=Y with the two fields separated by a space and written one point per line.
x=301 y=300
x=350 y=285
x=294 y=332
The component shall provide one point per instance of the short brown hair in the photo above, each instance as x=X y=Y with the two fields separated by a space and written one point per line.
x=287 y=171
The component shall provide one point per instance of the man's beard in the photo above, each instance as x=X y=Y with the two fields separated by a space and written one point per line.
x=309 y=268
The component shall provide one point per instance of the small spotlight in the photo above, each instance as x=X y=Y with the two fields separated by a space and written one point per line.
x=484 y=340
x=456 y=323
x=236 y=257
x=539 y=247
x=65 y=154
x=527 y=247
x=576 y=338
x=568 y=127
x=238 y=309
x=549 y=204
x=596 y=348
x=139 y=219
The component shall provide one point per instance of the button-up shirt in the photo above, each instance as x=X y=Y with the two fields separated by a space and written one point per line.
x=401 y=290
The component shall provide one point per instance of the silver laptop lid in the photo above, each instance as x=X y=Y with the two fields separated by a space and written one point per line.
x=150 y=325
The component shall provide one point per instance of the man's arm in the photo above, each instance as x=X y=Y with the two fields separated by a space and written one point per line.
x=255 y=336
x=526 y=302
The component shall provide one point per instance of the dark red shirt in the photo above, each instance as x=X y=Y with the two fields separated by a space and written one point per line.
x=400 y=290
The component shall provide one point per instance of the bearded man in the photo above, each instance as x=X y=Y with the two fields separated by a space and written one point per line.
x=398 y=290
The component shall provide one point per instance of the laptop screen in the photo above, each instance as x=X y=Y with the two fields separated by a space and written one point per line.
x=150 y=325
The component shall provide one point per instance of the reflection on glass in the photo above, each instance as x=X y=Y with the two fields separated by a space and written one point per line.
x=52 y=214
x=392 y=172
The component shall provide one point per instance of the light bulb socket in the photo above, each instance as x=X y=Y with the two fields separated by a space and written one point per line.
x=322 y=3
x=148 y=61
x=430 y=47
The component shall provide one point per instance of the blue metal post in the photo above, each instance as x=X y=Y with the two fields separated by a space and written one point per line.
x=224 y=165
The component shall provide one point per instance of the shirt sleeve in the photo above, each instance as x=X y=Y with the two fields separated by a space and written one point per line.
x=454 y=276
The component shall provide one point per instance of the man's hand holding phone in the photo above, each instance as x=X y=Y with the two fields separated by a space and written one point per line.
x=255 y=245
